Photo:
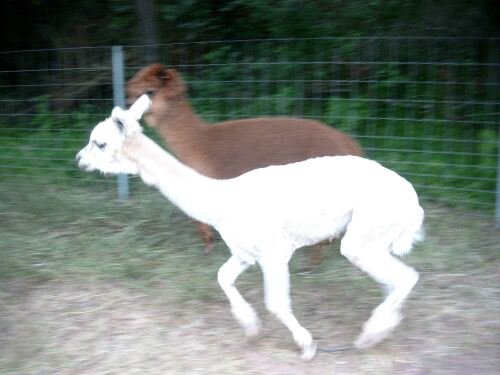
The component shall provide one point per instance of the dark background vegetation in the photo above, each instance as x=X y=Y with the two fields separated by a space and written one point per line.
x=56 y=23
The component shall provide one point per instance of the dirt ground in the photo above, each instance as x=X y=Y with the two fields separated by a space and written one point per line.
x=106 y=328
x=70 y=319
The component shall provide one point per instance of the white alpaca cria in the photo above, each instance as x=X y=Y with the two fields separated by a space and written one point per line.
x=266 y=214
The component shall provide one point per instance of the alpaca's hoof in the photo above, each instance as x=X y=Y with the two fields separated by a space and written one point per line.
x=253 y=329
x=365 y=341
x=377 y=329
x=208 y=248
x=309 y=352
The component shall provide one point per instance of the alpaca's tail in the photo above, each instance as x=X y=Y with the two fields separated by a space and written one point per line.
x=412 y=233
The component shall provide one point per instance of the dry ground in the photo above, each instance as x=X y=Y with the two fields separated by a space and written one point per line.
x=90 y=286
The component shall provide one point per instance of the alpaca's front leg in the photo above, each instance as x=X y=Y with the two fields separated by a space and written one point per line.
x=277 y=295
x=241 y=309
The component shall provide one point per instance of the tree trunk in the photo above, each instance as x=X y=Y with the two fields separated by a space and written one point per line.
x=147 y=29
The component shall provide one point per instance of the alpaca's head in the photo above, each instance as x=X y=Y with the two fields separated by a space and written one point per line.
x=162 y=85
x=104 y=151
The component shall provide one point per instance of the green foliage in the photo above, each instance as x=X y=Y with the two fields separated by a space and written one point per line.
x=436 y=157
x=196 y=20
x=48 y=143
x=348 y=115
x=43 y=118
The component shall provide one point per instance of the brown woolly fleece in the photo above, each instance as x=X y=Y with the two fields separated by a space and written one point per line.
x=230 y=148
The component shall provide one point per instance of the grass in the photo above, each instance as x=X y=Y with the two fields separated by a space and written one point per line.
x=77 y=233
x=92 y=285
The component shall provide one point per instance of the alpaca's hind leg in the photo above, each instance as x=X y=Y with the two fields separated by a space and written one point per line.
x=277 y=298
x=206 y=235
x=315 y=257
x=241 y=309
x=398 y=280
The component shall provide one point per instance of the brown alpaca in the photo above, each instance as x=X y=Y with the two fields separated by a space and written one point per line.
x=230 y=148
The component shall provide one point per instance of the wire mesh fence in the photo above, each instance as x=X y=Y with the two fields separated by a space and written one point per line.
x=425 y=107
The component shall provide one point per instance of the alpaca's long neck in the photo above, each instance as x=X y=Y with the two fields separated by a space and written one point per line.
x=195 y=194
x=181 y=127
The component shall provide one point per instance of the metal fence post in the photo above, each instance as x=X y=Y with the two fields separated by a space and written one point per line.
x=497 y=206
x=119 y=100
x=494 y=57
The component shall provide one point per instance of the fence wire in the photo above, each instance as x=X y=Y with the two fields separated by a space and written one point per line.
x=425 y=107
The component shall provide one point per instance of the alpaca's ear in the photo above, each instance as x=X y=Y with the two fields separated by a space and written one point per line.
x=174 y=84
x=140 y=106
x=169 y=74
x=118 y=114
x=155 y=70
x=123 y=121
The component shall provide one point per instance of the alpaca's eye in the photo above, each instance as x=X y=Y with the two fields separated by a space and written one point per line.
x=150 y=93
x=101 y=146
